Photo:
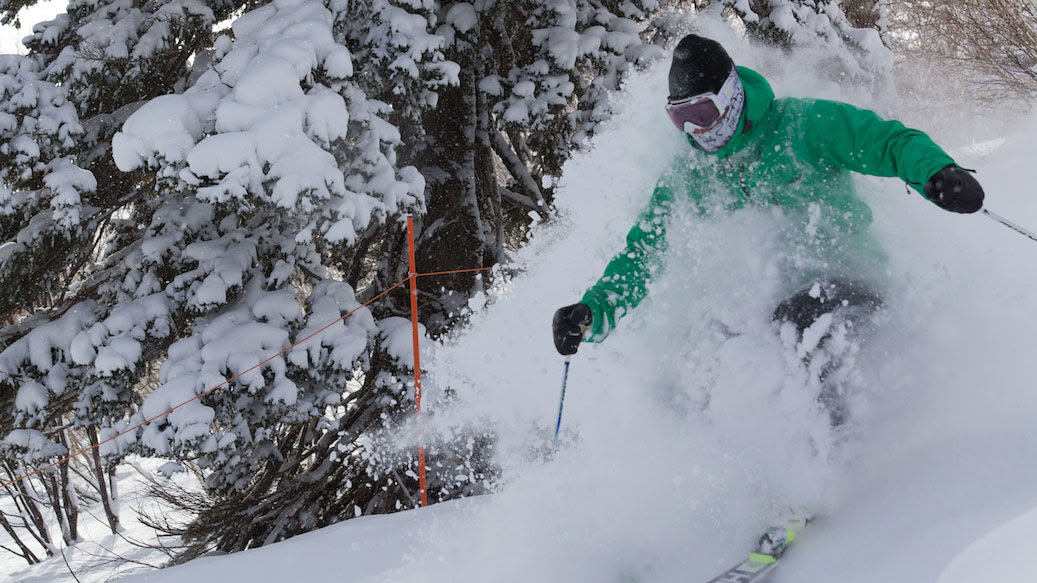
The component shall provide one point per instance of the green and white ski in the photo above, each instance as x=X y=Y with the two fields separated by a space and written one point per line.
x=764 y=559
x=751 y=570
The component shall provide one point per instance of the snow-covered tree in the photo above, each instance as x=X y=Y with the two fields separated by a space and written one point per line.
x=235 y=173
x=181 y=202
x=854 y=46
x=532 y=83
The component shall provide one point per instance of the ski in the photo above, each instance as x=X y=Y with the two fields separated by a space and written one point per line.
x=751 y=570
x=764 y=559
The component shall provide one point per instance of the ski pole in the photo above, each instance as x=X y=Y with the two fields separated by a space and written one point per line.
x=1010 y=225
x=561 y=403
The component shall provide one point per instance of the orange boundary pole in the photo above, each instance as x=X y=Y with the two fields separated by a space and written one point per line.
x=422 y=491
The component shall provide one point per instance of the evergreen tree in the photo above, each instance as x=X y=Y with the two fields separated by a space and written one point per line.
x=854 y=48
x=226 y=210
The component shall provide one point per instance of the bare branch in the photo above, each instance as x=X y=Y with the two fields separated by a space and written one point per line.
x=517 y=168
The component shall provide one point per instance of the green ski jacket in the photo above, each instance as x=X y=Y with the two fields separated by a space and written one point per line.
x=791 y=152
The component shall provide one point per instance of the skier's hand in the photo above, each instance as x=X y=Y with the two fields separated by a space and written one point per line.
x=955 y=190
x=568 y=326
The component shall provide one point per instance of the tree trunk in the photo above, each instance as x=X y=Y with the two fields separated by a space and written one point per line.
x=68 y=494
x=31 y=515
x=27 y=553
x=102 y=487
x=53 y=489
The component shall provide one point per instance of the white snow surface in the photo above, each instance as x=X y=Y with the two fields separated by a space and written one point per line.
x=101 y=556
x=691 y=426
x=1001 y=555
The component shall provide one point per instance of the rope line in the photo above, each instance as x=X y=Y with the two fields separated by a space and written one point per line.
x=128 y=430
x=454 y=271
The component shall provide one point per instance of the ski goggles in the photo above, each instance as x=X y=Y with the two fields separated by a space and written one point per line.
x=705 y=109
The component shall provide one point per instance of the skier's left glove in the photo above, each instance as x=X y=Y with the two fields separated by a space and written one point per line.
x=568 y=326
x=954 y=189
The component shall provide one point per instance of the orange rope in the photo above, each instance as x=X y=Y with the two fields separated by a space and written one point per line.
x=84 y=450
x=454 y=271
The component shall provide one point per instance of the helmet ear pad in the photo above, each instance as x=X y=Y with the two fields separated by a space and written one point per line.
x=699 y=65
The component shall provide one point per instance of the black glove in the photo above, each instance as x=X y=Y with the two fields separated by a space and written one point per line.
x=955 y=190
x=568 y=326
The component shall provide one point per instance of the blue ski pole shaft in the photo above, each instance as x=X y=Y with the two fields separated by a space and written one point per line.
x=1010 y=225
x=561 y=402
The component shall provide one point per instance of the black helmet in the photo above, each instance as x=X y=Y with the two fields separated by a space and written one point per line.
x=699 y=65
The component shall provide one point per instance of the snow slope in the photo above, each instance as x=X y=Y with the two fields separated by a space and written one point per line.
x=691 y=425
x=100 y=556
x=1001 y=555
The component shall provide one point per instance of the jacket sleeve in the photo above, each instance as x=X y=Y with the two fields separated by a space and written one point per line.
x=625 y=281
x=847 y=137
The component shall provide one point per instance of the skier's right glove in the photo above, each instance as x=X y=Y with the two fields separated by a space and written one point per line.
x=954 y=189
x=568 y=326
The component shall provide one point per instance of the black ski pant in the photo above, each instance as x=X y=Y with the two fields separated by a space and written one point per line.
x=804 y=307
x=854 y=299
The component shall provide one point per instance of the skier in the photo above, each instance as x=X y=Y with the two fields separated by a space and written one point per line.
x=748 y=148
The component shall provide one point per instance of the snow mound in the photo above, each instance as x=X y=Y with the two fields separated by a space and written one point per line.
x=1001 y=555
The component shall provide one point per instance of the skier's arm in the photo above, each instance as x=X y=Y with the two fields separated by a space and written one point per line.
x=625 y=281
x=844 y=136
